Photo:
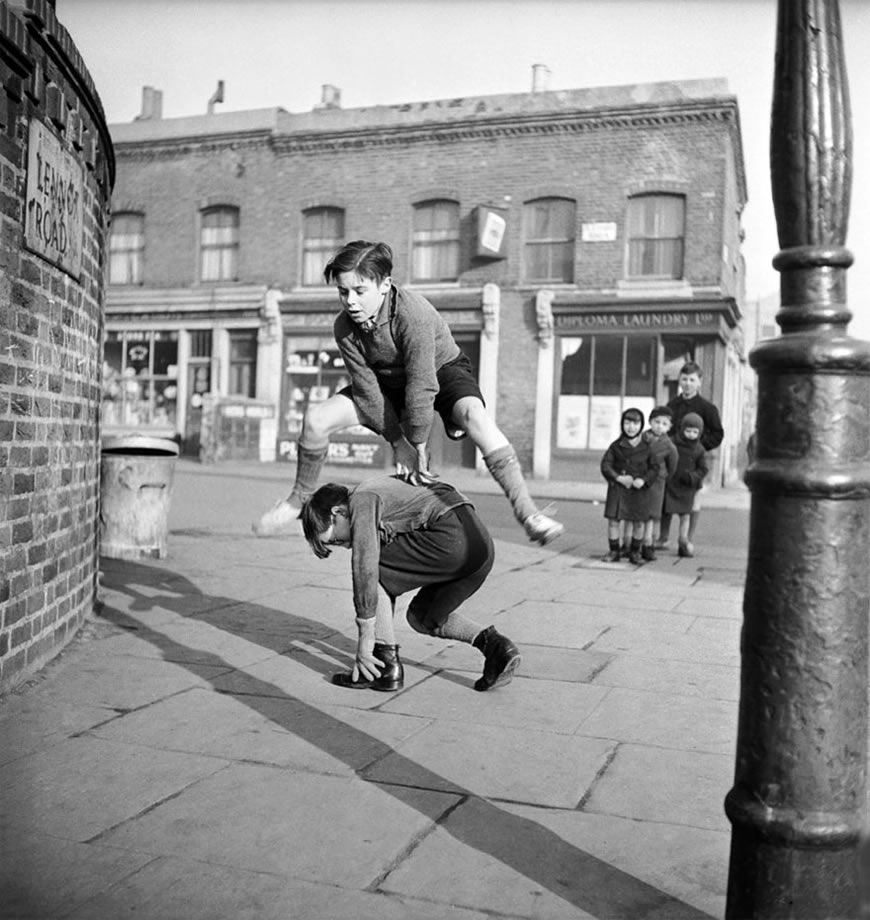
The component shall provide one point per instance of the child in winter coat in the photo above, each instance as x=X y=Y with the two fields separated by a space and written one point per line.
x=687 y=478
x=664 y=450
x=630 y=468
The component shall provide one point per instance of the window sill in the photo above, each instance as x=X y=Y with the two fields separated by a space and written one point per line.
x=654 y=287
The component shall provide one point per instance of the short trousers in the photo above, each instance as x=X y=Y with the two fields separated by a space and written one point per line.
x=448 y=561
x=455 y=381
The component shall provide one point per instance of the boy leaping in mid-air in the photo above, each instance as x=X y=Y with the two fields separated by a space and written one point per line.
x=404 y=366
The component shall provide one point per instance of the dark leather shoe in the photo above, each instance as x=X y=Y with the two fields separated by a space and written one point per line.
x=501 y=659
x=391 y=678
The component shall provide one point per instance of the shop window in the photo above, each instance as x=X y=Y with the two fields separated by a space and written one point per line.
x=219 y=244
x=314 y=371
x=436 y=241
x=656 y=229
x=548 y=232
x=243 y=363
x=140 y=380
x=322 y=237
x=126 y=248
x=600 y=377
x=200 y=343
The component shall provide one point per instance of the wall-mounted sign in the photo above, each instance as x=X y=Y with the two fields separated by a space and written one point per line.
x=53 y=217
x=658 y=320
x=598 y=232
x=491 y=230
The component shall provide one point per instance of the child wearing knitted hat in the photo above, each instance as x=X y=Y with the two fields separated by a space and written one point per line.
x=657 y=436
x=687 y=478
x=630 y=468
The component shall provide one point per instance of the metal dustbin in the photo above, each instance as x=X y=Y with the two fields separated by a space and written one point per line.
x=136 y=474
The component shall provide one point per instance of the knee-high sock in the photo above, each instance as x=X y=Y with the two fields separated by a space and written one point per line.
x=460 y=627
x=309 y=463
x=504 y=467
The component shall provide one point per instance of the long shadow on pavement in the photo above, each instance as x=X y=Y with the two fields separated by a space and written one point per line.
x=526 y=847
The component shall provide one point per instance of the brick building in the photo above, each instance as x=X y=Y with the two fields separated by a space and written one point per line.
x=581 y=244
x=57 y=170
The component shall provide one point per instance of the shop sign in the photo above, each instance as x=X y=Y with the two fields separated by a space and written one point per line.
x=53 y=218
x=598 y=232
x=342 y=453
x=623 y=321
x=237 y=410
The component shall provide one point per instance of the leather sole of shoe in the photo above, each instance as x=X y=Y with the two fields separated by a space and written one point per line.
x=345 y=679
x=505 y=676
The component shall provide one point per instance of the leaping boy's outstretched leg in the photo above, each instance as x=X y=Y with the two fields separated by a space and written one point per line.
x=504 y=467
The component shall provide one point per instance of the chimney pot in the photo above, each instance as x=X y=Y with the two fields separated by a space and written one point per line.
x=217 y=96
x=540 y=78
x=330 y=97
x=152 y=104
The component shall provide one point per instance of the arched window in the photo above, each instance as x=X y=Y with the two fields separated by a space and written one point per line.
x=656 y=232
x=219 y=243
x=322 y=236
x=436 y=241
x=127 y=248
x=548 y=233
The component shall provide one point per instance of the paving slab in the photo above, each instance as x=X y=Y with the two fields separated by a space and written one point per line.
x=183 y=889
x=682 y=723
x=284 y=733
x=556 y=706
x=538 y=661
x=553 y=864
x=83 y=786
x=43 y=877
x=519 y=765
x=658 y=675
x=264 y=819
x=665 y=786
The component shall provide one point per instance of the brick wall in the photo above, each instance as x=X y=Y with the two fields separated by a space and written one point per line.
x=50 y=340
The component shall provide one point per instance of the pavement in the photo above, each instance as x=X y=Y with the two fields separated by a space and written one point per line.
x=188 y=758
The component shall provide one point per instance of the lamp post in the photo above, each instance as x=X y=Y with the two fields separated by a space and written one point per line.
x=796 y=807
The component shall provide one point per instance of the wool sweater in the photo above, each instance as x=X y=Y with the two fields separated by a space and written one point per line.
x=410 y=342
x=381 y=508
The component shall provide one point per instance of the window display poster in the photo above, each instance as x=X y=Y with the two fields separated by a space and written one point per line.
x=314 y=371
x=572 y=429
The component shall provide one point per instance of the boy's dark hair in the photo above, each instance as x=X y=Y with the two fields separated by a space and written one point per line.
x=316 y=515
x=691 y=368
x=661 y=411
x=369 y=260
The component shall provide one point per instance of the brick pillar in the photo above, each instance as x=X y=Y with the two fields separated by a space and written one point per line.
x=57 y=169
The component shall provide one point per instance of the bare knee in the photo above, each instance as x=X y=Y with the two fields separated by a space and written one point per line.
x=323 y=419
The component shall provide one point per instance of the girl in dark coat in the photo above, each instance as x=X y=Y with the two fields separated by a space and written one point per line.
x=687 y=478
x=629 y=467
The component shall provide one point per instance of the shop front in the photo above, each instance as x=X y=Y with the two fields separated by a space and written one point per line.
x=165 y=356
x=607 y=361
